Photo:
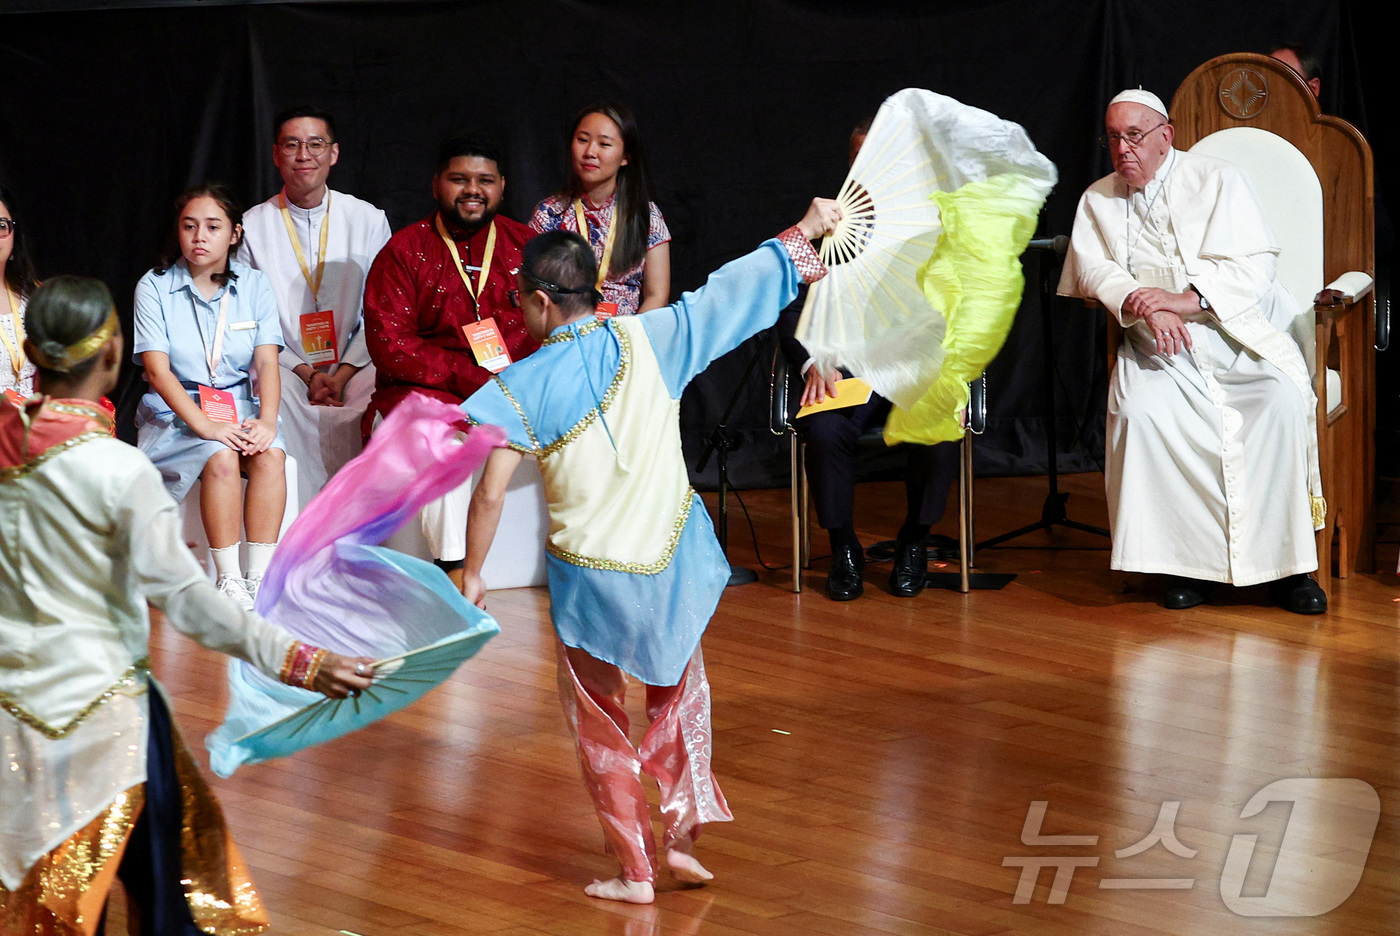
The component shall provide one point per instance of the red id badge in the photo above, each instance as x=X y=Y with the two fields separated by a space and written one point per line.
x=605 y=310
x=14 y=396
x=488 y=347
x=218 y=405
x=318 y=337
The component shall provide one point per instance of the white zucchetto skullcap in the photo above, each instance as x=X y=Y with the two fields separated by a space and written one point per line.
x=1139 y=96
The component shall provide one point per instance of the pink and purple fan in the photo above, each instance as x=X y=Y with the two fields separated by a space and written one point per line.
x=331 y=585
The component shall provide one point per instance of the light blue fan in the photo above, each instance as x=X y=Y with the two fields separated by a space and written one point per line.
x=424 y=630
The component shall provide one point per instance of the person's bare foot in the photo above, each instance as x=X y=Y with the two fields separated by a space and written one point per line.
x=619 y=888
x=685 y=868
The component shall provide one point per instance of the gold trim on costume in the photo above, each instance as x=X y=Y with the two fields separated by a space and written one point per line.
x=218 y=888
x=288 y=661
x=521 y=413
x=509 y=444
x=586 y=328
x=19 y=471
x=132 y=683
x=624 y=360
x=66 y=890
x=78 y=351
x=1319 y=512
x=90 y=410
x=636 y=568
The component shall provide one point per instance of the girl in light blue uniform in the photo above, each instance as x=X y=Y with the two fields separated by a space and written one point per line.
x=208 y=335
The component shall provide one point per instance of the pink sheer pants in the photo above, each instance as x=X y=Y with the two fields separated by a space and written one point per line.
x=675 y=751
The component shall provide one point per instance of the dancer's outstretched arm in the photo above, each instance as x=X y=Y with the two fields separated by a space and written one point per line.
x=483 y=517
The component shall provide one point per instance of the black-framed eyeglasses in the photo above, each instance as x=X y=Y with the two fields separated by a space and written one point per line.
x=1133 y=138
x=555 y=288
x=513 y=297
x=315 y=146
x=7 y=226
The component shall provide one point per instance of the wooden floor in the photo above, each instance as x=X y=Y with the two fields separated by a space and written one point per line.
x=880 y=757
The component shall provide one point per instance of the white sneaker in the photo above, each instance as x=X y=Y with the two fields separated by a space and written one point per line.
x=237 y=589
x=253 y=585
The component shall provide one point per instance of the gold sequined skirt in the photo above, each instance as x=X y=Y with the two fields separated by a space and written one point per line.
x=65 y=892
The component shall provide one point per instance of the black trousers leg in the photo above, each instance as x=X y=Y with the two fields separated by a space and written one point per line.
x=931 y=471
x=831 y=439
x=150 y=869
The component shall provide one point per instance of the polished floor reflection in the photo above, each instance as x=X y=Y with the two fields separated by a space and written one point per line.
x=1063 y=756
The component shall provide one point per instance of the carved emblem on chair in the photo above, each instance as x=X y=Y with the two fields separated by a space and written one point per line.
x=1243 y=93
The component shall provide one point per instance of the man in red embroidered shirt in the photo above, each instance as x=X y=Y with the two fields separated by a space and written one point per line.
x=439 y=308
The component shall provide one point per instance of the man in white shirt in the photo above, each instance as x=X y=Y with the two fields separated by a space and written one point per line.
x=1211 y=465
x=316 y=246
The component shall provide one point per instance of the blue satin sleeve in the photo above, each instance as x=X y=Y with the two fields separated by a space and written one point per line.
x=740 y=299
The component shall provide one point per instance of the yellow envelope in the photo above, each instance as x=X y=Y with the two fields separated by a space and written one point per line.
x=851 y=391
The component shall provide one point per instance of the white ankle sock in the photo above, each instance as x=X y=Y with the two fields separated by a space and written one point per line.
x=259 y=555
x=226 y=561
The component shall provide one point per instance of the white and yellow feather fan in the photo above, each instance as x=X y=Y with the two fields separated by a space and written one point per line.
x=924 y=266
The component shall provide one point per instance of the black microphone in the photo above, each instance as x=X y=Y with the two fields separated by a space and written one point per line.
x=1058 y=244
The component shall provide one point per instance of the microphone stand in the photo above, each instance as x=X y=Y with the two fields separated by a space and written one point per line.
x=1052 y=512
x=722 y=442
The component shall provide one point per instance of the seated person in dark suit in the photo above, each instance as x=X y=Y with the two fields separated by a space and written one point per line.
x=831 y=438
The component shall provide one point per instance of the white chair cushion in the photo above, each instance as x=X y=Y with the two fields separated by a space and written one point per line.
x=1291 y=195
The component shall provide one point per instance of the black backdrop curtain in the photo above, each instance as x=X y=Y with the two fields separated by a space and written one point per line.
x=745 y=108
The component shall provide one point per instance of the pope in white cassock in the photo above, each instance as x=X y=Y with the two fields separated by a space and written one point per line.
x=316 y=245
x=1211 y=462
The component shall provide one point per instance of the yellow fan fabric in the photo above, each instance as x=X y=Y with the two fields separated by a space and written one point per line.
x=975 y=278
x=925 y=267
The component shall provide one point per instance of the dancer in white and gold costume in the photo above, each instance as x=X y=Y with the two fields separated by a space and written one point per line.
x=95 y=782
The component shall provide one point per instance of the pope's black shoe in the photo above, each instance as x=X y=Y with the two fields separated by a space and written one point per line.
x=910 y=568
x=844 y=581
x=1183 y=593
x=1299 y=594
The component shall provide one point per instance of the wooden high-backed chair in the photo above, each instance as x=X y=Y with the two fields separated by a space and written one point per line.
x=1257 y=113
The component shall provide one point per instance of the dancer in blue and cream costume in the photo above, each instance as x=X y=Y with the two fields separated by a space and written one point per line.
x=635 y=571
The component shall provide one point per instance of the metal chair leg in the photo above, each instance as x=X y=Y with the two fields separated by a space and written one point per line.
x=795 y=466
x=965 y=534
x=806 y=508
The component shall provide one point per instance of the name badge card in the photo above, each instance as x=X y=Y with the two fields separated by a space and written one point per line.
x=13 y=395
x=318 y=337
x=218 y=405
x=605 y=311
x=488 y=347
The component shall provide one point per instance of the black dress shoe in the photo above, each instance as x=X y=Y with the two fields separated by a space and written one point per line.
x=1183 y=593
x=1299 y=594
x=844 y=581
x=910 y=568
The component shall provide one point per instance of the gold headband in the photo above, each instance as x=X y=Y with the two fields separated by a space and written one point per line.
x=78 y=351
